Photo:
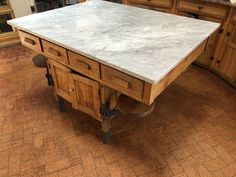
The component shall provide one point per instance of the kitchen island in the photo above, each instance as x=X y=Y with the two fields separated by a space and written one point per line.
x=99 y=50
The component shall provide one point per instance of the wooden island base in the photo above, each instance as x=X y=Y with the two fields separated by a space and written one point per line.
x=92 y=87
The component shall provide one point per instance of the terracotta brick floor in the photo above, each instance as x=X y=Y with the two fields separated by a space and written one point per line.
x=191 y=133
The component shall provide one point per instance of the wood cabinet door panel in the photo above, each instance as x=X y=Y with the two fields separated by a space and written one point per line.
x=228 y=64
x=61 y=80
x=86 y=95
x=233 y=36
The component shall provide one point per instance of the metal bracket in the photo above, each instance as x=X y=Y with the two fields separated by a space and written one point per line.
x=107 y=112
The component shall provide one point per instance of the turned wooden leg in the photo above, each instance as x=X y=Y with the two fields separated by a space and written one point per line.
x=106 y=128
x=61 y=105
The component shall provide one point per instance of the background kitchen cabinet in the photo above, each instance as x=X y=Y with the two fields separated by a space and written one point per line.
x=226 y=61
x=7 y=34
x=158 y=5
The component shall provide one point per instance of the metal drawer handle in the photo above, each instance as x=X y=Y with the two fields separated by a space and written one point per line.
x=121 y=82
x=86 y=65
x=30 y=41
x=54 y=52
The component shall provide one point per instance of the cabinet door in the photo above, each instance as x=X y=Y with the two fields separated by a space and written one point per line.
x=62 y=80
x=86 y=95
x=226 y=64
x=206 y=57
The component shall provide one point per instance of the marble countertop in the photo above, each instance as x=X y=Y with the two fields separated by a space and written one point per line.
x=142 y=43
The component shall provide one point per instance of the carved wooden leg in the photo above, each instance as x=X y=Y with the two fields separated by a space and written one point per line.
x=108 y=100
x=106 y=128
x=61 y=104
x=49 y=77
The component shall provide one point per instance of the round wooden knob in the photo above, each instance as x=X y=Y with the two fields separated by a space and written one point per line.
x=71 y=90
x=200 y=7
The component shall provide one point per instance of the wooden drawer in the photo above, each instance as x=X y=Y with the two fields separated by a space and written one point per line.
x=161 y=3
x=55 y=52
x=156 y=3
x=122 y=82
x=138 y=5
x=160 y=9
x=144 y=2
x=202 y=8
x=84 y=65
x=30 y=41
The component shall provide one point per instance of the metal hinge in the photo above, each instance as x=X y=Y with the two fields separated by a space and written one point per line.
x=107 y=112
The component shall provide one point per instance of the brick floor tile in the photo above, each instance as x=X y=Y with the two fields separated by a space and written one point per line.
x=218 y=174
x=215 y=164
x=173 y=164
x=57 y=165
x=189 y=170
x=55 y=174
x=3 y=172
x=144 y=168
x=88 y=161
x=38 y=140
x=230 y=171
x=224 y=154
x=114 y=169
x=15 y=165
x=128 y=173
x=203 y=172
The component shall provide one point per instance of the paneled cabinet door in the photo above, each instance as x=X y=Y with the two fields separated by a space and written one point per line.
x=86 y=95
x=226 y=63
x=62 y=80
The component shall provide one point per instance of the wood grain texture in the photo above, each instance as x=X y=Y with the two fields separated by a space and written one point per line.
x=84 y=65
x=55 y=52
x=122 y=82
x=86 y=96
x=30 y=41
x=62 y=80
x=201 y=8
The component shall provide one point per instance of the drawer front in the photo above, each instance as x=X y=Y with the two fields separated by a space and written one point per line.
x=138 y=5
x=55 y=52
x=161 y=3
x=136 y=2
x=160 y=9
x=84 y=65
x=122 y=82
x=200 y=8
x=157 y=3
x=30 y=41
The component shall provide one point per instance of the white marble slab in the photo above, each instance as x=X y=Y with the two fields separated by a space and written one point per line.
x=143 y=43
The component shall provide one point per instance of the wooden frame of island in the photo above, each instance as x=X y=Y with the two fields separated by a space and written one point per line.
x=92 y=87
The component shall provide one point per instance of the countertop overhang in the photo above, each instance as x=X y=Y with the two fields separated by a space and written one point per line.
x=142 y=43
